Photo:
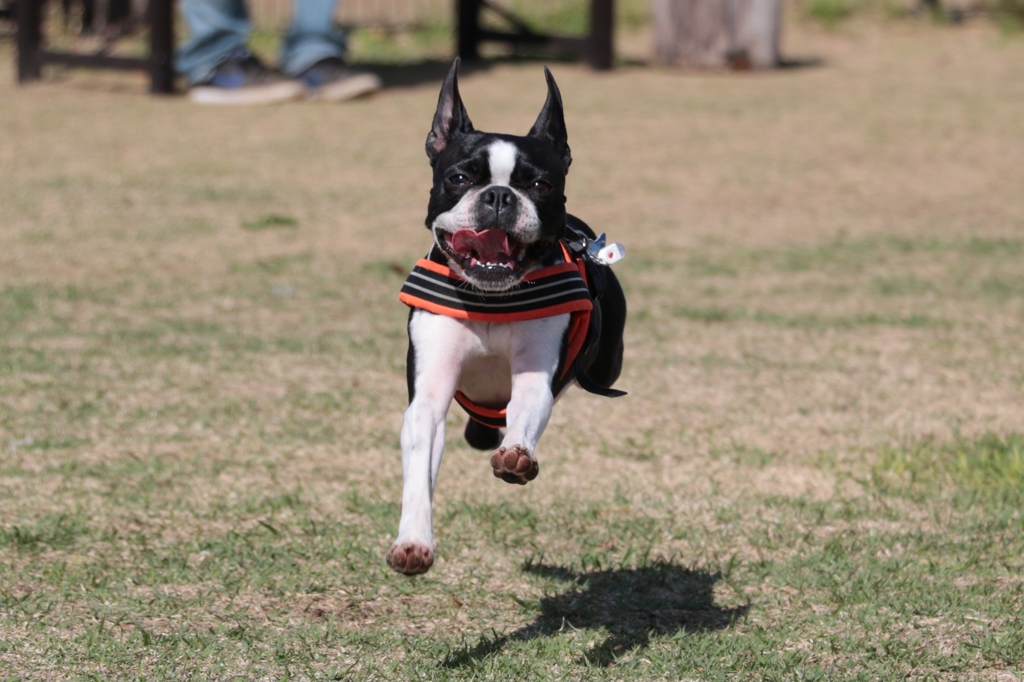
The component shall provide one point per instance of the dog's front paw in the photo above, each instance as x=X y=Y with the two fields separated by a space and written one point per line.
x=410 y=558
x=514 y=465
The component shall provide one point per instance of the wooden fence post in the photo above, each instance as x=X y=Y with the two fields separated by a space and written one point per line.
x=29 y=15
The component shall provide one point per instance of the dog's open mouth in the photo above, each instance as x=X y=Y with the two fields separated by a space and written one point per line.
x=489 y=255
x=488 y=249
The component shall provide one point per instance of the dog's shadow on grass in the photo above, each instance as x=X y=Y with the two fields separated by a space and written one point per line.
x=630 y=604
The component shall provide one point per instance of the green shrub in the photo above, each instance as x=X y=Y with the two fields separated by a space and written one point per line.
x=828 y=12
x=1009 y=14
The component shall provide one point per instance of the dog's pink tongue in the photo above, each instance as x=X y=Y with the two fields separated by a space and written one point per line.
x=488 y=246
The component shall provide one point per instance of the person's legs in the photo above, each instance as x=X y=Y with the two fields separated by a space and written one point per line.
x=311 y=37
x=313 y=53
x=219 y=67
x=218 y=29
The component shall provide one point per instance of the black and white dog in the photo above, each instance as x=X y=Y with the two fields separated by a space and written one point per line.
x=514 y=303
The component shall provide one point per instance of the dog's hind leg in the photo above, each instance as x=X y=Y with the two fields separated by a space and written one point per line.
x=482 y=437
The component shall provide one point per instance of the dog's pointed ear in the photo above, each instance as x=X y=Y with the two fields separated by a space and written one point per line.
x=550 y=123
x=451 y=118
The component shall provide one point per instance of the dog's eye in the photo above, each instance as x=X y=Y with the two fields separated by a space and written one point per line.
x=459 y=180
x=541 y=187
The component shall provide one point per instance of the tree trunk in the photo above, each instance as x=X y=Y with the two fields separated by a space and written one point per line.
x=736 y=34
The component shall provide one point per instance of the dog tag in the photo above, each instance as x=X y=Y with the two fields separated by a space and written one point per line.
x=612 y=253
x=603 y=253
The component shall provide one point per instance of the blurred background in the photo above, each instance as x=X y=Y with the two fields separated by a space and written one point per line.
x=818 y=472
x=393 y=31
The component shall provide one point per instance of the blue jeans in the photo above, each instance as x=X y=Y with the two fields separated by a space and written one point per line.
x=219 y=29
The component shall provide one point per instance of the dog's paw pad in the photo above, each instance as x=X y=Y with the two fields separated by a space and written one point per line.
x=410 y=558
x=514 y=465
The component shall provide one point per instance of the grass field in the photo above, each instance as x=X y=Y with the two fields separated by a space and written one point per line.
x=817 y=474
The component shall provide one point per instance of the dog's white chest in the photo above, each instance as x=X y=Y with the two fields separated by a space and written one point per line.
x=481 y=354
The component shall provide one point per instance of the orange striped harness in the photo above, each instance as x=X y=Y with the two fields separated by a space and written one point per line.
x=554 y=290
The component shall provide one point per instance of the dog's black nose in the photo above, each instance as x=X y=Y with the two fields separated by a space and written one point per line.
x=499 y=198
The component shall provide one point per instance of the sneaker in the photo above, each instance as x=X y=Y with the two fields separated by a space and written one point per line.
x=330 y=80
x=242 y=79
